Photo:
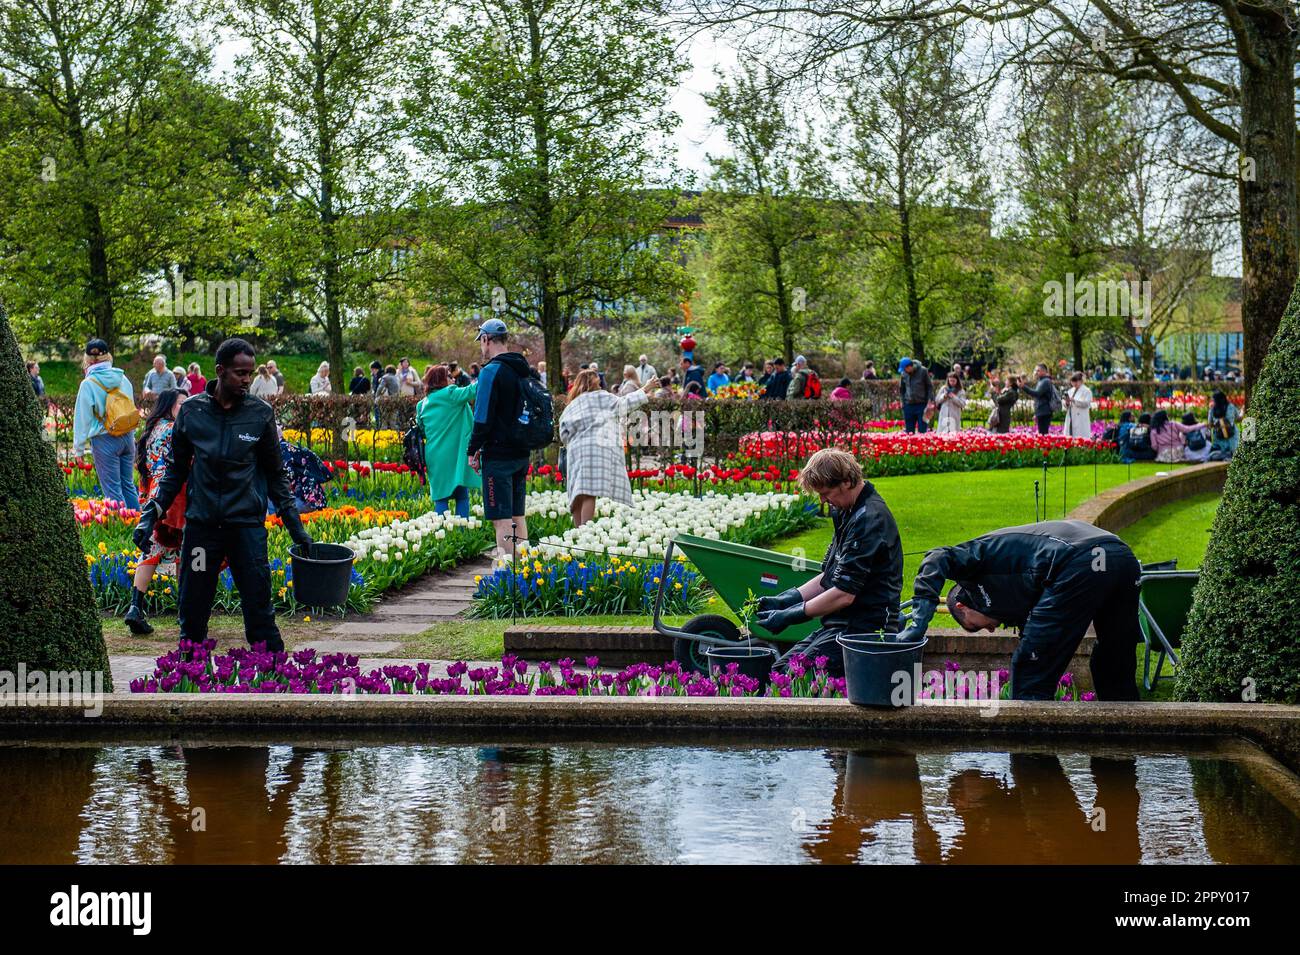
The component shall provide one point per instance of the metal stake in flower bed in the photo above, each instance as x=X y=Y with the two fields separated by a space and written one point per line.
x=1035 y=502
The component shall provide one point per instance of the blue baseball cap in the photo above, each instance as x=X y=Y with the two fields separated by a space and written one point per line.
x=902 y=365
x=493 y=326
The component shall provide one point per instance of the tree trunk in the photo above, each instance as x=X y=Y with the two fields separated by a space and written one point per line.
x=784 y=309
x=1076 y=343
x=1268 y=202
x=553 y=340
x=101 y=289
x=909 y=272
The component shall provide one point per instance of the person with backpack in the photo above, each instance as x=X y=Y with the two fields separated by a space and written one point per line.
x=1135 y=445
x=1196 y=443
x=593 y=430
x=152 y=450
x=446 y=420
x=1047 y=400
x=513 y=416
x=1224 y=436
x=105 y=419
x=804 y=382
x=1167 y=437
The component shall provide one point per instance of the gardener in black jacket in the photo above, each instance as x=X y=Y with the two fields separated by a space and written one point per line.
x=1051 y=580
x=225 y=445
x=862 y=573
x=494 y=450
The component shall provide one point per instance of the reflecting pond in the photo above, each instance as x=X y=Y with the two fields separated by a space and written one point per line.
x=615 y=802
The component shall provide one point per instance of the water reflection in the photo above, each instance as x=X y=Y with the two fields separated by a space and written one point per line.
x=605 y=803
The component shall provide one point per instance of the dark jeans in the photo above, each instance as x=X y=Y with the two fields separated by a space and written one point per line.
x=203 y=548
x=459 y=497
x=1043 y=421
x=1108 y=598
x=914 y=419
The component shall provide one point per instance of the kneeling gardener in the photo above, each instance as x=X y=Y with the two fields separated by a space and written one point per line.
x=1051 y=580
x=225 y=444
x=862 y=572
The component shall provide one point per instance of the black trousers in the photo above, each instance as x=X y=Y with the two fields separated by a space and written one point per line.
x=203 y=548
x=1100 y=587
x=1044 y=423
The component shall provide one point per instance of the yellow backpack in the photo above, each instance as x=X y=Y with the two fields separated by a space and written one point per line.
x=120 y=415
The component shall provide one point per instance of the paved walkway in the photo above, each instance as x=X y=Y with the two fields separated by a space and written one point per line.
x=414 y=608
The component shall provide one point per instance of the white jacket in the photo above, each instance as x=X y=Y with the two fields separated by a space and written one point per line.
x=1078 y=402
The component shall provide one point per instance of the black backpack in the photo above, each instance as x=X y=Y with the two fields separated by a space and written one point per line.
x=534 y=427
x=413 y=450
x=1111 y=434
x=1139 y=437
x=1195 y=440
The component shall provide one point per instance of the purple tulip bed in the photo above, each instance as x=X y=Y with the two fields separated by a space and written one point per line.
x=199 y=668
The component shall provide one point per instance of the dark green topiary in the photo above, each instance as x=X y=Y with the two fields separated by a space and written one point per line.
x=1244 y=630
x=48 y=618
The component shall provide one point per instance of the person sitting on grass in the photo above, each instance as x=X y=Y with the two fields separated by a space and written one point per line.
x=858 y=589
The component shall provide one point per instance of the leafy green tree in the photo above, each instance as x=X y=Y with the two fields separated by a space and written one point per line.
x=1240 y=642
x=113 y=162
x=1071 y=149
x=919 y=213
x=546 y=121
x=331 y=71
x=48 y=617
x=772 y=227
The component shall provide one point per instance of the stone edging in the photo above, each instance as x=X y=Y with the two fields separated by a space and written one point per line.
x=1128 y=503
x=1274 y=728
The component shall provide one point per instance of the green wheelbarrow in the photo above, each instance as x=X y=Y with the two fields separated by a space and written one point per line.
x=734 y=571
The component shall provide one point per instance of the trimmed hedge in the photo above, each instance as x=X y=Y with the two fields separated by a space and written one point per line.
x=1243 y=636
x=48 y=618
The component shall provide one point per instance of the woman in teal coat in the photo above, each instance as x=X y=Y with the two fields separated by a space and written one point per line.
x=446 y=416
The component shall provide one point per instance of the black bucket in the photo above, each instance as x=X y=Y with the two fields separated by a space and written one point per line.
x=870 y=664
x=754 y=661
x=323 y=579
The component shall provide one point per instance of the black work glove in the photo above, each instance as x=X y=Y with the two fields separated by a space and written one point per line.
x=774 y=621
x=780 y=601
x=922 y=613
x=143 y=532
x=293 y=524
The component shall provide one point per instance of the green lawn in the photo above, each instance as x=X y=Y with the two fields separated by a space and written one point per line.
x=1180 y=530
x=937 y=509
x=64 y=377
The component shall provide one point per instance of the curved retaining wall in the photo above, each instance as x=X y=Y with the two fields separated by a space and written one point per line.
x=1124 y=505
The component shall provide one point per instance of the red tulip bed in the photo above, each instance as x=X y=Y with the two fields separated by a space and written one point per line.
x=894 y=453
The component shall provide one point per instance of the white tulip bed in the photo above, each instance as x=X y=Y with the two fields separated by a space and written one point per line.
x=644 y=529
x=395 y=553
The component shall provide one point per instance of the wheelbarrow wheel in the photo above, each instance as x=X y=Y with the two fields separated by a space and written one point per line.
x=691 y=654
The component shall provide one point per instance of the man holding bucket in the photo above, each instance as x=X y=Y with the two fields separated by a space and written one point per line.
x=862 y=572
x=226 y=446
x=1050 y=579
